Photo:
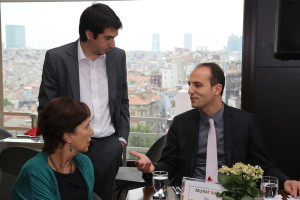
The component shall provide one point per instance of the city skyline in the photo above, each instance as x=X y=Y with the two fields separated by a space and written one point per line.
x=141 y=19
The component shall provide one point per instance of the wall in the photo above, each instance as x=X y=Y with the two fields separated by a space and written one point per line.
x=275 y=97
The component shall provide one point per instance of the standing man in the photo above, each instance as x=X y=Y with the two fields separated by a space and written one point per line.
x=93 y=71
x=189 y=151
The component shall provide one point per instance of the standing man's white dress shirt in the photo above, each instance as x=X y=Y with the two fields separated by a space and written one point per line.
x=94 y=92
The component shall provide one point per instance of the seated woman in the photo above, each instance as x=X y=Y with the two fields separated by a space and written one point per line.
x=60 y=171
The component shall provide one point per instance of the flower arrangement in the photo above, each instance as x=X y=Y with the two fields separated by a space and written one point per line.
x=240 y=182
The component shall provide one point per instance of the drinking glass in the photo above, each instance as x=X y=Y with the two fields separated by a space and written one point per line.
x=160 y=183
x=269 y=186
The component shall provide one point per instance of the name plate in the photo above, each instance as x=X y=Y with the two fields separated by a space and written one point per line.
x=197 y=189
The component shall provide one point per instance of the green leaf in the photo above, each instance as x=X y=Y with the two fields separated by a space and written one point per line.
x=247 y=197
x=218 y=194
x=227 y=198
x=238 y=179
x=251 y=184
x=253 y=191
x=224 y=180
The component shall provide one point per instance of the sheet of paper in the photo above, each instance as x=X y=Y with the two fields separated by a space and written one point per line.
x=200 y=189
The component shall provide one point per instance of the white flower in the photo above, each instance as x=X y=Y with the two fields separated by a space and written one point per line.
x=248 y=171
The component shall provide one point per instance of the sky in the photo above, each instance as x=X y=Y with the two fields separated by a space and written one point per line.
x=211 y=22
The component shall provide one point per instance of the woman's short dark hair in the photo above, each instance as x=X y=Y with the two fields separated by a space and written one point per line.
x=96 y=18
x=60 y=115
x=217 y=74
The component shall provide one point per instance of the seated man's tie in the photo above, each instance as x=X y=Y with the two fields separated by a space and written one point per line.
x=211 y=154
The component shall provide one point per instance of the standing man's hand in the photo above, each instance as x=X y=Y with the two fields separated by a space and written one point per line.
x=123 y=144
x=144 y=164
x=292 y=187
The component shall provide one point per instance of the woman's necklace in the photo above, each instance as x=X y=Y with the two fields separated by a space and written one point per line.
x=56 y=168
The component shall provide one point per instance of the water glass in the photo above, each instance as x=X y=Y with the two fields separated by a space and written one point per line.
x=160 y=183
x=269 y=186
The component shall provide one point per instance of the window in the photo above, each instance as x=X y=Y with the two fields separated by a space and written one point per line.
x=164 y=40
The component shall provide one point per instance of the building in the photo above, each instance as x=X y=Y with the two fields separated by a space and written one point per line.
x=156 y=80
x=234 y=43
x=182 y=102
x=232 y=87
x=145 y=105
x=15 y=36
x=156 y=42
x=169 y=76
x=188 y=41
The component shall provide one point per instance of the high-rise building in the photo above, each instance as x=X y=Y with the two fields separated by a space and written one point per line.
x=188 y=41
x=234 y=43
x=15 y=36
x=155 y=42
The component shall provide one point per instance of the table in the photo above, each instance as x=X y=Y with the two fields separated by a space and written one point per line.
x=145 y=193
x=34 y=143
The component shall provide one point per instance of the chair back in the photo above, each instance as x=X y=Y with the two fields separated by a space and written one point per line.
x=154 y=153
x=4 y=134
x=12 y=160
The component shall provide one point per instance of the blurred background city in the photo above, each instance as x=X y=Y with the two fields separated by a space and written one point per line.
x=163 y=41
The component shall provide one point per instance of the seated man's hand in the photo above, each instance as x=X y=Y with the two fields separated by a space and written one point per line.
x=292 y=187
x=144 y=164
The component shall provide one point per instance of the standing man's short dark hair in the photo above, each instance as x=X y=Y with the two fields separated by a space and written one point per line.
x=96 y=18
x=93 y=70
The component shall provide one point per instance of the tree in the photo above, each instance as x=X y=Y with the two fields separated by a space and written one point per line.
x=140 y=128
x=6 y=102
x=140 y=141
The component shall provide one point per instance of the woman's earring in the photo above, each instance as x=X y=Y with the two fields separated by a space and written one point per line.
x=71 y=149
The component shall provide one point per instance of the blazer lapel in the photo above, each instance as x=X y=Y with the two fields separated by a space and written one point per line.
x=194 y=137
x=228 y=130
x=73 y=70
x=111 y=73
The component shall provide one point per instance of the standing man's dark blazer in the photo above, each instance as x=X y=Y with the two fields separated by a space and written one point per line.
x=61 y=79
x=242 y=138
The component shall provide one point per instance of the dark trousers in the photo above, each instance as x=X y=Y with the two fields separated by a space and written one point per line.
x=105 y=154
